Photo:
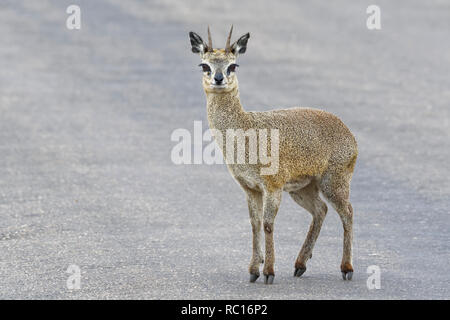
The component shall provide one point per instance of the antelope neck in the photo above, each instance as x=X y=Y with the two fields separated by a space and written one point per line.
x=225 y=110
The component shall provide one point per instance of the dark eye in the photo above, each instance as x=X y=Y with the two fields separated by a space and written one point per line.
x=205 y=67
x=232 y=68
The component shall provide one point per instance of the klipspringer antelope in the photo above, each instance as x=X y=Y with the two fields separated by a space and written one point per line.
x=317 y=153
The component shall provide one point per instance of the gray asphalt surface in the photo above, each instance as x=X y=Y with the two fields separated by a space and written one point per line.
x=86 y=176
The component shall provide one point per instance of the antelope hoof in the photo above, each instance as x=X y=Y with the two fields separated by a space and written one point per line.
x=253 y=277
x=299 y=271
x=347 y=275
x=268 y=279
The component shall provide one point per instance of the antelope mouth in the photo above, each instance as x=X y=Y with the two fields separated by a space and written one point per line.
x=218 y=86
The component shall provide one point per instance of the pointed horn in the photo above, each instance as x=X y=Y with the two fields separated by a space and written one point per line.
x=227 y=45
x=210 y=46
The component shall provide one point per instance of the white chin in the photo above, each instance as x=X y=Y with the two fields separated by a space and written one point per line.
x=218 y=86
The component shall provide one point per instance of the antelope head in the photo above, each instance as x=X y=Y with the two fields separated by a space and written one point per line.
x=219 y=65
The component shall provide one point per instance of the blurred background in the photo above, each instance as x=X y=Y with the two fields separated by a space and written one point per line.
x=86 y=176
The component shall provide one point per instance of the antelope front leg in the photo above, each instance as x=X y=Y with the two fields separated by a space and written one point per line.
x=271 y=203
x=254 y=200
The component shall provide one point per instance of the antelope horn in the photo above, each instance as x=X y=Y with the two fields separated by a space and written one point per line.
x=210 y=46
x=227 y=45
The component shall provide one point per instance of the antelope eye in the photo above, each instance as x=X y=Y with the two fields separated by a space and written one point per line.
x=232 y=68
x=205 y=67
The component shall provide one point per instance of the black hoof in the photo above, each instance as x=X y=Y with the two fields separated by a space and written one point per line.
x=268 y=279
x=299 y=271
x=347 y=275
x=253 y=277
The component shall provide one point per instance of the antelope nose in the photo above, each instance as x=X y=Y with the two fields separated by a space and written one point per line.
x=218 y=78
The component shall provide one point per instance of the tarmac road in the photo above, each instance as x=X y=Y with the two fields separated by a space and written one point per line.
x=86 y=176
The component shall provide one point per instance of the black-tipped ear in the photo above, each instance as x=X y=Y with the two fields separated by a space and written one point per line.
x=240 y=46
x=198 y=45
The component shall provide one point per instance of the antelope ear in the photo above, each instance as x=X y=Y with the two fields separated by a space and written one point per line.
x=197 y=44
x=240 y=46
